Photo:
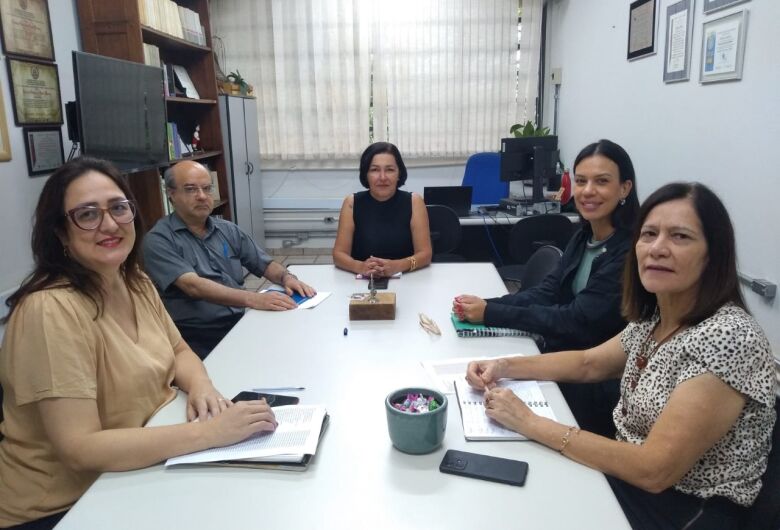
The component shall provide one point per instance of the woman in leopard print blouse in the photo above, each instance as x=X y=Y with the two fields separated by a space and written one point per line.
x=696 y=411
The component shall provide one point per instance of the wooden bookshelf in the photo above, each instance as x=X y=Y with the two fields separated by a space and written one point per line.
x=113 y=28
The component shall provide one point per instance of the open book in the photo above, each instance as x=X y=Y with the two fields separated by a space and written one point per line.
x=291 y=446
x=476 y=424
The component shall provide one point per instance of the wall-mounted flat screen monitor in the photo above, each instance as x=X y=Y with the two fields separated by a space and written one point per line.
x=530 y=159
x=120 y=111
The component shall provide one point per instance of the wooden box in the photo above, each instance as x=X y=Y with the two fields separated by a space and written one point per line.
x=364 y=309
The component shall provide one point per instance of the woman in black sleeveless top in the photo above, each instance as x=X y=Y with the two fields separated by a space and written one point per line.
x=382 y=231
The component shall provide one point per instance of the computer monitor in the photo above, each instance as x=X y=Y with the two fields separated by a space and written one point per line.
x=531 y=158
x=120 y=111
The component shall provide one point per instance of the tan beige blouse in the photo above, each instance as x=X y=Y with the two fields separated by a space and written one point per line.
x=54 y=347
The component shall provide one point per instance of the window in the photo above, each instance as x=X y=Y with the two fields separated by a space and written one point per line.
x=439 y=78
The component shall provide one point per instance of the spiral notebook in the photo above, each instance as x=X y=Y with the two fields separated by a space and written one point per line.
x=477 y=425
x=467 y=329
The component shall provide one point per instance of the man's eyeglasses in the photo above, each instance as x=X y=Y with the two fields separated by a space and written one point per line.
x=192 y=189
x=91 y=217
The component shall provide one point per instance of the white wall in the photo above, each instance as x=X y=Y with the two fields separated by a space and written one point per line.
x=18 y=192
x=726 y=135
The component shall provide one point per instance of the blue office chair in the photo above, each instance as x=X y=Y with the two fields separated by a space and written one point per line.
x=483 y=175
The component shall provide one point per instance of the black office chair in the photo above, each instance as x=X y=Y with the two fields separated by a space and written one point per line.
x=531 y=233
x=445 y=233
x=765 y=512
x=539 y=265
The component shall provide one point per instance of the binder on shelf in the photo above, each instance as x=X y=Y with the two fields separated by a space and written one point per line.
x=174 y=147
x=467 y=329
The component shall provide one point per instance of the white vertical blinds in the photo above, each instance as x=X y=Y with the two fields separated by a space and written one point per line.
x=436 y=77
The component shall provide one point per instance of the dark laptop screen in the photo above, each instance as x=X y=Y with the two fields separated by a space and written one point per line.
x=456 y=197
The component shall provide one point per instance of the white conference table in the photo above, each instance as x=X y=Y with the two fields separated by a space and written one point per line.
x=357 y=479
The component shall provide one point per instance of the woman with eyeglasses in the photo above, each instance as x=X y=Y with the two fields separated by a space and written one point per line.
x=90 y=354
x=697 y=391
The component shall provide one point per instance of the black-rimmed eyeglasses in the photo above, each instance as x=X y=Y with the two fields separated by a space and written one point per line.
x=91 y=217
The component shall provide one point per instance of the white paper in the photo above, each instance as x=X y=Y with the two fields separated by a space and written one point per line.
x=296 y=435
x=186 y=82
x=443 y=372
x=641 y=27
x=476 y=424
x=678 y=28
x=359 y=276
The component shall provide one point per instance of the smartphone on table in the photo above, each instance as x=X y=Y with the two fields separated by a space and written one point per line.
x=484 y=467
x=274 y=400
x=380 y=283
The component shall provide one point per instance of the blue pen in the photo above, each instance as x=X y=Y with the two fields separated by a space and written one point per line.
x=225 y=249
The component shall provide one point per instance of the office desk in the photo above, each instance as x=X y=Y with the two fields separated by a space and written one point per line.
x=357 y=479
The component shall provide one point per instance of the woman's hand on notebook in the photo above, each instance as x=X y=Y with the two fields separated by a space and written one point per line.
x=469 y=308
x=484 y=374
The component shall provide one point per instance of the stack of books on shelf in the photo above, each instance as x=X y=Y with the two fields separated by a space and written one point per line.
x=169 y=17
x=176 y=146
x=152 y=55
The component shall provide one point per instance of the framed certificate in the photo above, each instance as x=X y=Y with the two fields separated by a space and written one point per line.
x=26 y=28
x=43 y=147
x=723 y=48
x=35 y=89
x=714 y=5
x=641 y=29
x=679 y=32
x=5 y=147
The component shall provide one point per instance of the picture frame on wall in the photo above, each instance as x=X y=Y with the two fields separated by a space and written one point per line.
x=35 y=91
x=723 y=48
x=710 y=6
x=641 y=29
x=679 y=32
x=43 y=148
x=5 y=146
x=25 y=26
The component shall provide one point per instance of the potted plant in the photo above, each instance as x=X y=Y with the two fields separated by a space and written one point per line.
x=520 y=130
x=238 y=81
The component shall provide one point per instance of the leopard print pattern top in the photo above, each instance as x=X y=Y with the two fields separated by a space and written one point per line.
x=733 y=347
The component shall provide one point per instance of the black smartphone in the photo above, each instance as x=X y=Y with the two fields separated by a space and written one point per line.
x=380 y=283
x=484 y=467
x=274 y=400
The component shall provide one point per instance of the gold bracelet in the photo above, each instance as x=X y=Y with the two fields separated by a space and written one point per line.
x=566 y=438
x=412 y=263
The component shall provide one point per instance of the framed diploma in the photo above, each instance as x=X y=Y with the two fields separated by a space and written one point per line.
x=641 y=29
x=5 y=147
x=679 y=31
x=35 y=89
x=714 y=5
x=43 y=147
x=723 y=48
x=26 y=28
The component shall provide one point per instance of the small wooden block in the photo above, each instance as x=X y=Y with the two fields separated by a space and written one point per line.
x=382 y=309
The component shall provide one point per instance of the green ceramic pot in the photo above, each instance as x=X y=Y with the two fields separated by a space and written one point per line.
x=416 y=433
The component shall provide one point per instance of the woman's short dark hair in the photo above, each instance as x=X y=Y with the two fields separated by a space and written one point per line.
x=52 y=265
x=624 y=215
x=718 y=283
x=379 y=148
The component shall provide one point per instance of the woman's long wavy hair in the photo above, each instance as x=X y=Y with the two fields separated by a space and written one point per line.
x=53 y=268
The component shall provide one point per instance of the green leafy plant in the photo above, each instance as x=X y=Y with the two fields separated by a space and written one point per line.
x=519 y=130
x=237 y=79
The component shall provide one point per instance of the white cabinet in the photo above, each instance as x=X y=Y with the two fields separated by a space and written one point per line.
x=238 y=116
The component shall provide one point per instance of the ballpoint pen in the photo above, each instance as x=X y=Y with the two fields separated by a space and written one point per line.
x=279 y=389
